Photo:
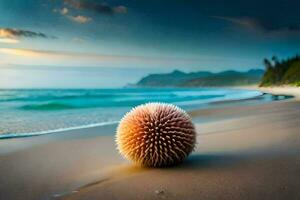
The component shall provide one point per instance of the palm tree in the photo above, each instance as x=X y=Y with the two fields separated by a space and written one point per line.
x=267 y=64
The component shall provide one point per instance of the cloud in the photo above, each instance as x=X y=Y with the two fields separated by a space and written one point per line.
x=244 y=22
x=21 y=52
x=43 y=58
x=120 y=9
x=64 y=11
x=262 y=26
x=35 y=53
x=16 y=33
x=78 y=40
x=102 y=8
x=65 y=58
x=97 y=7
x=80 y=19
x=9 y=40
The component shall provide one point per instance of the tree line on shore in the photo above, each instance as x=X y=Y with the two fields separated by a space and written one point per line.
x=281 y=72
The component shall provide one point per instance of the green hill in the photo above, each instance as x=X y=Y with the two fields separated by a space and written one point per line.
x=281 y=72
x=201 y=79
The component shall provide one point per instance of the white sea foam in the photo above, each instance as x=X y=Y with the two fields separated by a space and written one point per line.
x=15 y=135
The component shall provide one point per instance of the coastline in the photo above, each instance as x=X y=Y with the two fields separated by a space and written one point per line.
x=285 y=90
x=234 y=157
x=251 y=95
x=282 y=90
x=40 y=133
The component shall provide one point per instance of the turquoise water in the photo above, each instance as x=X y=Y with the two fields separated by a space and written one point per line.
x=34 y=112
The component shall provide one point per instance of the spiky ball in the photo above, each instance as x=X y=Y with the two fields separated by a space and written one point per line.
x=156 y=135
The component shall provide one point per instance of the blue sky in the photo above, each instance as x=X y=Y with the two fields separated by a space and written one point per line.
x=148 y=36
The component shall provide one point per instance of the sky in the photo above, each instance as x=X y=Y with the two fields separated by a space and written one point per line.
x=63 y=43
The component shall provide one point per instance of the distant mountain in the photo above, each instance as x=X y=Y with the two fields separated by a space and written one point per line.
x=202 y=78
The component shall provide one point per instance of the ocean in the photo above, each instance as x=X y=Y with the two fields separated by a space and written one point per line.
x=28 y=112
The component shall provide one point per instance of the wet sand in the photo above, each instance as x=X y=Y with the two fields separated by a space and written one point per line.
x=248 y=152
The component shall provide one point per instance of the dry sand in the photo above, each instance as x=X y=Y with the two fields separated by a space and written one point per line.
x=250 y=152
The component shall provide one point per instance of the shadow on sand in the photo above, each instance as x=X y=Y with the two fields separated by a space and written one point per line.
x=201 y=161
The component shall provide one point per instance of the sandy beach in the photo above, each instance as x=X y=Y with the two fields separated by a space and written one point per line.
x=243 y=152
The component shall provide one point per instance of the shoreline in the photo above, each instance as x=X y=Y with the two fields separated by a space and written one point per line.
x=100 y=124
x=40 y=133
x=285 y=90
x=277 y=90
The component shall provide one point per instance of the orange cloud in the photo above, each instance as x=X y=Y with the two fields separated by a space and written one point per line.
x=5 y=33
x=9 y=40
x=62 y=58
x=20 y=52
x=77 y=55
x=80 y=19
x=101 y=8
x=16 y=33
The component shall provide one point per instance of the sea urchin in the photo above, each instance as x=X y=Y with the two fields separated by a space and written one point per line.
x=156 y=135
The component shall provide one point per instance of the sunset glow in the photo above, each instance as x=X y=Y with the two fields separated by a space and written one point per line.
x=9 y=40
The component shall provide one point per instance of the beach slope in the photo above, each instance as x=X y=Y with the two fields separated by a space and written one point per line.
x=249 y=152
